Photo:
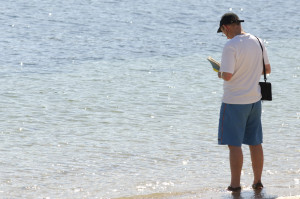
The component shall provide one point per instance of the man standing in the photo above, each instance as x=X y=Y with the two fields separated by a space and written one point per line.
x=240 y=113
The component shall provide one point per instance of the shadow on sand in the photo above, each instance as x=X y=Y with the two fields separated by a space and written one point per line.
x=250 y=194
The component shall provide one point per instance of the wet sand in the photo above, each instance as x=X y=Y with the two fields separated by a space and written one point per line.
x=245 y=194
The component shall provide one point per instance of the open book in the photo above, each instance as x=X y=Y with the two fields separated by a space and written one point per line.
x=215 y=64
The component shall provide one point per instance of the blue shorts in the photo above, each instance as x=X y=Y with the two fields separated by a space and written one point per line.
x=240 y=124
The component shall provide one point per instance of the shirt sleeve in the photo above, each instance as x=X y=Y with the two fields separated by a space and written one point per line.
x=228 y=59
x=265 y=53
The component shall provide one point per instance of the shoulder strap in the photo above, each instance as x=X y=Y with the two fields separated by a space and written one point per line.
x=265 y=77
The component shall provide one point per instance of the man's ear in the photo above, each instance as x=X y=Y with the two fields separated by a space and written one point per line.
x=227 y=27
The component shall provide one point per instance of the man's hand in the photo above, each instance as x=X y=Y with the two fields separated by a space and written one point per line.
x=225 y=76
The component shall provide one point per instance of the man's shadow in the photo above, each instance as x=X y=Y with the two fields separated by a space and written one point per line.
x=250 y=194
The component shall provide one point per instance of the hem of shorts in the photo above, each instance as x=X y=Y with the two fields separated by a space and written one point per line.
x=241 y=144
x=254 y=144
x=229 y=144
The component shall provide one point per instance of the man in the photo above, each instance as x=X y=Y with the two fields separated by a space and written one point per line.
x=240 y=114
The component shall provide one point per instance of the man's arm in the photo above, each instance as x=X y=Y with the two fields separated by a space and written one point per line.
x=225 y=76
x=268 y=69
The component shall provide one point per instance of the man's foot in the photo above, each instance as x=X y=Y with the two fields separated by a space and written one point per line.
x=257 y=186
x=234 y=189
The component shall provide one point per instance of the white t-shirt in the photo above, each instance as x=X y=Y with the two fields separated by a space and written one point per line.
x=242 y=57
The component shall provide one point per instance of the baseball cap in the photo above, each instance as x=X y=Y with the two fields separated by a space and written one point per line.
x=229 y=18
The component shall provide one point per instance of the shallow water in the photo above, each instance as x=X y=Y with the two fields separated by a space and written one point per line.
x=114 y=99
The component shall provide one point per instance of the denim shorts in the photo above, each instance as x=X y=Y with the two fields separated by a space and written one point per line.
x=240 y=124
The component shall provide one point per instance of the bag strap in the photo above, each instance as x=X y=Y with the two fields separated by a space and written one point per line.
x=265 y=77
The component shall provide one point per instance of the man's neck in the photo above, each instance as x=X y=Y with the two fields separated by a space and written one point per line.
x=239 y=32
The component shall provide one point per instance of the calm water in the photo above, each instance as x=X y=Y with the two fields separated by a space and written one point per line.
x=115 y=99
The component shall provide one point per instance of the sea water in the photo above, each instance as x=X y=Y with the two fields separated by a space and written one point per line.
x=115 y=99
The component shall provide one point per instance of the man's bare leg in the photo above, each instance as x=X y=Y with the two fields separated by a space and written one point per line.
x=257 y=158
x=236 y=164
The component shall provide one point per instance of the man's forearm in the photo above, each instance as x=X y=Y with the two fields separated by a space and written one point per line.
x=225 y=76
